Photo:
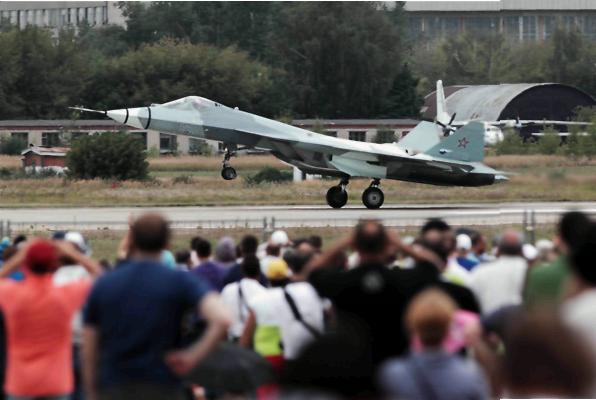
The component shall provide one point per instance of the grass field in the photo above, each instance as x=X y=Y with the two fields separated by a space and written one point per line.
x=196 y=181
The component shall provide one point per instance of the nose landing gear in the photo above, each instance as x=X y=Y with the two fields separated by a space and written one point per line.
x=373 y=197
x=337 y=196
x=227 y=172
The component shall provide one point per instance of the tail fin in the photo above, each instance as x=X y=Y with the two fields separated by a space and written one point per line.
x=442 y=113
x=466 y=144
x=424 y=136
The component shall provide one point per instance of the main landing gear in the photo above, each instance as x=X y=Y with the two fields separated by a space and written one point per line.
x=227 y=172
x=372 y=197
x=337 y=196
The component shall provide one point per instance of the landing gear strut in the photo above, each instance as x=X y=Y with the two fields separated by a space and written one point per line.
x=373 y=197
x=337 y=196
x=227 y=172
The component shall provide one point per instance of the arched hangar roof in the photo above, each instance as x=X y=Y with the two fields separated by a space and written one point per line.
x=507 y=101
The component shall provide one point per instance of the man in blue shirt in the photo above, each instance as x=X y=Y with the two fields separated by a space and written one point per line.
x=131 y=339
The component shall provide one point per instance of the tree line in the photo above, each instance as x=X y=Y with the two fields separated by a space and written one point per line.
x=304 y=59
x=277 y=59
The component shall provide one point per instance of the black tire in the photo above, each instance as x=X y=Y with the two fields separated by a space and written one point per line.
x=337 y=197
x=228 y=173
x=373 y=197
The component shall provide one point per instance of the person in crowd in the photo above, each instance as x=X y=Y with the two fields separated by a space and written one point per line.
x=369 y=299
x=432 y=373
x=579 y=309
x=38 y=317
x=272 y=253
x=530 y=254
x=248 y=247
x=278 y=273
x=546 y=251
x=501 y=282
x=463 y=247
x=238 y=295
x=545 y=283
x=225 y=253
x=7 y=254
x=478 y=252
x=298 y=307
x=278 y=238
x=183 y=260
x=316 y=241
x=70 y=272
x=438 y=234
x=133 y=318
x=546 y=359
x=212 y=273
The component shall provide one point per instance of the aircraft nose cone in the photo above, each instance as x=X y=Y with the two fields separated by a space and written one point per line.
x=119 y=115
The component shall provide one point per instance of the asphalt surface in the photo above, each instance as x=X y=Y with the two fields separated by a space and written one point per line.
x=291 y=216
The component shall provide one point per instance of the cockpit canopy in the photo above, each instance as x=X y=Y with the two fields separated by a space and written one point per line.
x=192 y=103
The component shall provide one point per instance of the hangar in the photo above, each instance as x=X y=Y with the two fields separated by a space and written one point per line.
x=531 y=101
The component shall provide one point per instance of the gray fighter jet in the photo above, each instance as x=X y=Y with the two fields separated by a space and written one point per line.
x=422 y=156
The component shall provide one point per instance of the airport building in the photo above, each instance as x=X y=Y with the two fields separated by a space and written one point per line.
x=531 y=101
x=57 y=15
x=520 y=20
x=58 y=133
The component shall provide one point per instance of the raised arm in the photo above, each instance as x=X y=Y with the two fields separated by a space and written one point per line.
x=218 y=320
x=68 y=250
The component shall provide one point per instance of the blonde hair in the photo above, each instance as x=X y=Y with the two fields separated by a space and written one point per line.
x=429 y=316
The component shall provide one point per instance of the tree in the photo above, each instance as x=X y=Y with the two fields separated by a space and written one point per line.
x=340 y=57
x=12 y=145
x=171 y=69
x=403 y=100
x=107 y=156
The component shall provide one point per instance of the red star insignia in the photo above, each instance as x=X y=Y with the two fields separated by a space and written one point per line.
x=463 y=143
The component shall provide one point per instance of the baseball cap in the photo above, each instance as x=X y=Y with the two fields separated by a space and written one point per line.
x=41 y=257
x=280 y=238
x=78 y=240
x=463 y=241
x=278 y=269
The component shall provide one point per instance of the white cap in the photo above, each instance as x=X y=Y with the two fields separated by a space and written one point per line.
x=78 y=240
x=529 y=251
x=463 y=242
x=280 y=238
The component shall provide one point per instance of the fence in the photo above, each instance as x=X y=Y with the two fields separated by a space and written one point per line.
x=527 y=218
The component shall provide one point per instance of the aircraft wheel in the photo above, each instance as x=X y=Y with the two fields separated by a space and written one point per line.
x=373 y=197
x=228 y=173
x=337 y=197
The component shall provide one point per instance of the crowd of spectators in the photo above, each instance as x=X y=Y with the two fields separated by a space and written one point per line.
x=439 y=316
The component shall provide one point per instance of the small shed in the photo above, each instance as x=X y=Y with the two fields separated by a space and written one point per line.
x=37 y=158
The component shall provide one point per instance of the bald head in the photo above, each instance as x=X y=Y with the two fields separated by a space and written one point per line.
x=511 y=243
x=371 y=237
x=150 y=233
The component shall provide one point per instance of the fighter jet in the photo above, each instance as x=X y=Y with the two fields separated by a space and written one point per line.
x=422 y=156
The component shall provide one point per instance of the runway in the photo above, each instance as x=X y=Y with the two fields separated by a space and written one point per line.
x=290 y=216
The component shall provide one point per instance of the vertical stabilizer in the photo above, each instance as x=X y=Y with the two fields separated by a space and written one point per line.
x=442 y=112
x=466 y=144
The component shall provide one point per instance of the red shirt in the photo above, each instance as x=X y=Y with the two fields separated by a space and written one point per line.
x=38 y=318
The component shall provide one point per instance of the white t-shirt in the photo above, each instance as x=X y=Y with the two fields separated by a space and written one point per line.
x=272 y=308
x=63 y=276
x=499 y=283
x=579 y=313
x=231 y=297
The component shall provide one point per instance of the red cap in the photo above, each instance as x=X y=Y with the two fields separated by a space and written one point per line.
x=41 y=257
